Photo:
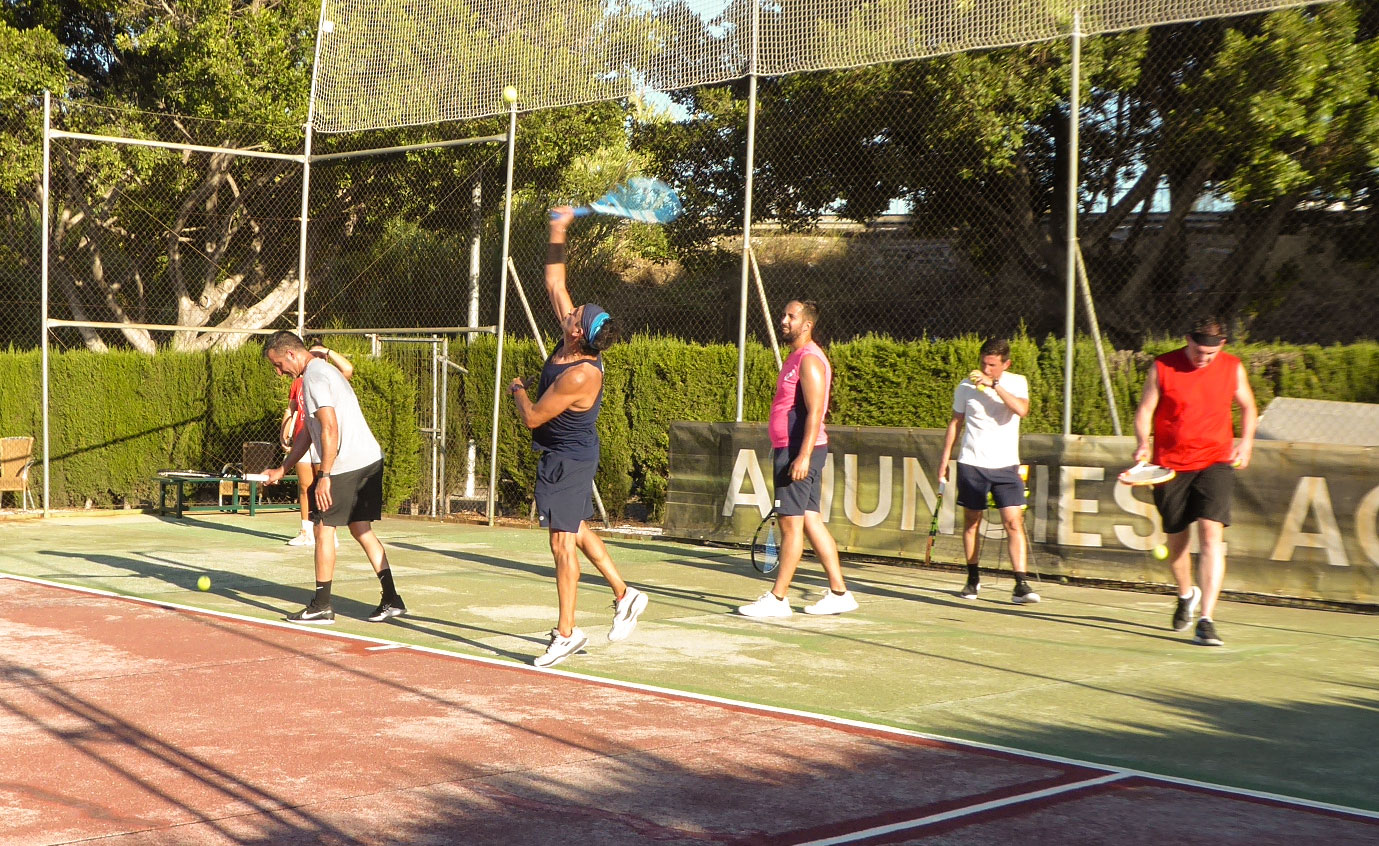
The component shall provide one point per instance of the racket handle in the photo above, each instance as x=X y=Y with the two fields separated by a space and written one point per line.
x=581 y=211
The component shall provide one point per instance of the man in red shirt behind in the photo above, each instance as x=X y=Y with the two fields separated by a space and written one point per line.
x=1187 y=400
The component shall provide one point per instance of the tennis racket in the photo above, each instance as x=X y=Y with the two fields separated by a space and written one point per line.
x=289 y=428
x=766 y=544
x=933 y=524
x=639 y=198
x=1145 y=474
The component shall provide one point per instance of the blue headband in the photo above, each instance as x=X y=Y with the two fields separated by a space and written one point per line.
x=592 y=320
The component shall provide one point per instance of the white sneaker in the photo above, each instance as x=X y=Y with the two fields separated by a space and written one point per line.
x=833 y=603
x=561 y=647
x=303 y=538
x=767 y=605
x=625 y=614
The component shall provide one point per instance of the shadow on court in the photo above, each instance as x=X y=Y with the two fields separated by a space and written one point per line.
x=143 y=724
x=1088 y=674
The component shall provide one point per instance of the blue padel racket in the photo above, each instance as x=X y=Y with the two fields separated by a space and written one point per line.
x=766 y=544
x=639 y=198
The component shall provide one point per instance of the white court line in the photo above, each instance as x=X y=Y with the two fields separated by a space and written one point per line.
x=385 y=647
x=969 y=810
x=733 y=703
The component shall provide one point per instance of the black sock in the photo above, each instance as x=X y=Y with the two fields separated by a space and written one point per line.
x=322 y=597
x=837 y=592
x=973 y=575
x=385 y=578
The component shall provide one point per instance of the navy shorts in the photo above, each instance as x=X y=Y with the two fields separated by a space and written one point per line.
x=1003 y=483
x=564 y=492
x=355 y=497
x=793 y=498
x=1196 y=495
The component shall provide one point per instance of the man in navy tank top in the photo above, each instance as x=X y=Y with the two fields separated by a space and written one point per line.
x=563 y=420
x=1187 y=403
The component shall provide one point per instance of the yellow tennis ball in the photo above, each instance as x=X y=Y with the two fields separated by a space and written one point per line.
x=1161 y=552
x=510 y=94
x=203 y=583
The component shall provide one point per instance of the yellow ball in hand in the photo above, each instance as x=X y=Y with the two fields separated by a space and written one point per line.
x=1161 y=552
x=203 y=583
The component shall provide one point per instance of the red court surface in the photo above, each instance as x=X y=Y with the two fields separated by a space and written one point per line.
x=127 y=722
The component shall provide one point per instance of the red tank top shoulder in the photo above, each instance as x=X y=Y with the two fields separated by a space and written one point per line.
x=1192 y=422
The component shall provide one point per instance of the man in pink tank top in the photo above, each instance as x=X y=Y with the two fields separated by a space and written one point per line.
x=799 y=446
x=1187 y=403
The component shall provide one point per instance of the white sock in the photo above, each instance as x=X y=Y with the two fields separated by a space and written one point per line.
x=306 y=526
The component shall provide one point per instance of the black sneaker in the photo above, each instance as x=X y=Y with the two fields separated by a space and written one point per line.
x=969 y=590
x=1024 y=594
x=1206 y=634
x=387 y=608
x=1187 y=606
x=313 y=615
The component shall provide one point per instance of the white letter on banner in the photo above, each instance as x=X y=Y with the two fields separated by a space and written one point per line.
x=1039 y=523
x=826 y=490
x=1311 y=494
x=883 y=487
x=914 y=477
x=1365 y=529
x=1126 y=499
x=747 y=466
x=1068 y=505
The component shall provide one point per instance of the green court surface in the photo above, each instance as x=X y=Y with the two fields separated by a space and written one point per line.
x=1289 y=706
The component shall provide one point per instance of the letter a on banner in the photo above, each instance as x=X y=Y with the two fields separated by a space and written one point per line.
x=747 y=467
x=1311 y=495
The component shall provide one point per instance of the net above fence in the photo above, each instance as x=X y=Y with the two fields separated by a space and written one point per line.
x=406 y=64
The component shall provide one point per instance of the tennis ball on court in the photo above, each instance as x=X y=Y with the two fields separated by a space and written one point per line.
x=1161 y=552
x=510 y=94
x=203 y=583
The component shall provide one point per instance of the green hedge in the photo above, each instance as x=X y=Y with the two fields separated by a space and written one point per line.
x=877 y=382
x=119 y=417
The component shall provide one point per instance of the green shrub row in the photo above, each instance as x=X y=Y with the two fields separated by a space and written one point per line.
x=117 y=418
x=877 y=381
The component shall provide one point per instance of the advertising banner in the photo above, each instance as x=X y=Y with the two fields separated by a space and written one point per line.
x=1305 y=519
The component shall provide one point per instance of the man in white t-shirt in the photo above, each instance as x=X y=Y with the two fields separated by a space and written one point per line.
x=348 y=489
x=989 y=404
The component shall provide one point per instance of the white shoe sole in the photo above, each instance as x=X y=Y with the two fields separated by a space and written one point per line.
x=547 y=660
x=758 y=614
x=623 y=630
x=818 y=612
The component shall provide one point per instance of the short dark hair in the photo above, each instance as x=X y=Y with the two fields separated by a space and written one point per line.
x=610 y=332
x=996 y=346
x=809 y=310
x=1208 y=324
x=282 y=341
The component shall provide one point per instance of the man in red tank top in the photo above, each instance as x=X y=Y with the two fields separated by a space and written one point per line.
x=1187 y=402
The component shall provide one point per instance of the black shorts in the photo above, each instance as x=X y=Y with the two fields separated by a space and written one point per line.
x=564 y=492
x=1003 y=483
x=1196 y=495
x=355 y=497
x=793 y=498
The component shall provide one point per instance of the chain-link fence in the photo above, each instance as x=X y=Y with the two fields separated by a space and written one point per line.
x=1224 y=166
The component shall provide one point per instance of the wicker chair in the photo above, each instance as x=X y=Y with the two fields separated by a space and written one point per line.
x=16 y=457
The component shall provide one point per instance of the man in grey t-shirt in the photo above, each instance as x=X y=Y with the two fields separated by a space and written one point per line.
x=348 y=490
